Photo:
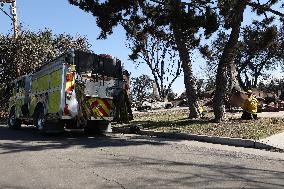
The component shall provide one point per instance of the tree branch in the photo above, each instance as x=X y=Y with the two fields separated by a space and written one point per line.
x=176 y=75
x=265 y=8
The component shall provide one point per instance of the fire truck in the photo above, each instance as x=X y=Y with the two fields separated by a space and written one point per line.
x=77 y=90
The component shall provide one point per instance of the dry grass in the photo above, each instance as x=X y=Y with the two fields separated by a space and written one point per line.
x=177 y=122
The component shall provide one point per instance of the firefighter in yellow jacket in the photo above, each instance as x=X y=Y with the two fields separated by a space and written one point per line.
x=250 y=107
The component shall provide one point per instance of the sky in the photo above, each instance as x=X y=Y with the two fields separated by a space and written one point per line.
x=61 y=17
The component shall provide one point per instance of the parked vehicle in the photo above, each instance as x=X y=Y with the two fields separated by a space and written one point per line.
x=75 y=91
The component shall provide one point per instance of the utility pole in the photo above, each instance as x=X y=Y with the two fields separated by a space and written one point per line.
x=13 y=16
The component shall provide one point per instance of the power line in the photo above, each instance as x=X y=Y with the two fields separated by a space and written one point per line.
x=6 y=13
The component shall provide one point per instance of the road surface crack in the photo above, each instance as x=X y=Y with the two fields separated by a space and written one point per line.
x=98 y=175
x=109 y=180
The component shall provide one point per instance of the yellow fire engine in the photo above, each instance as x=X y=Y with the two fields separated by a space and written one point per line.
x=75 y=91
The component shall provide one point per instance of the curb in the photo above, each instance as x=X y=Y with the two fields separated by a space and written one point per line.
x=238 y=142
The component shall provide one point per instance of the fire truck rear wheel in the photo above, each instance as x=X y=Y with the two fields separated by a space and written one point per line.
x=40 y=120
x=47 y=127
x=96 y=127
x=13 y=121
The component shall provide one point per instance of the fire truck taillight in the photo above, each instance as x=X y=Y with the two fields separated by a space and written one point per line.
x=66 y=110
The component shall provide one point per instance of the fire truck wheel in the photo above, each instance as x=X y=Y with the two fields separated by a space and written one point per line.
x=40 y=121
x=96 y=127
x=89 y=130
x=47 y=127
x=13 y=121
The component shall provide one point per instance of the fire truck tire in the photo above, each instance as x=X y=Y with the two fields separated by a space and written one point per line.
x=13 y=121
x=40 y=120
x=96 y=127
x=44 y=126
x=89 y=130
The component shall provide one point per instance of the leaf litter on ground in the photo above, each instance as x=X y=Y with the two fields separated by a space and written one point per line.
x=176 y=121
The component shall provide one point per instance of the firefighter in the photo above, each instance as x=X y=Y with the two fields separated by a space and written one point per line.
x=201 y=110
x=125 y=87
x=250 y=107
x=122 y=102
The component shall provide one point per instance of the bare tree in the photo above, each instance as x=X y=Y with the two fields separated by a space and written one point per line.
x=141 y=89
x=158 y=55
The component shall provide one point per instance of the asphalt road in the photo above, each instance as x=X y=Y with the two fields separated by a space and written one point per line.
x=75 y=160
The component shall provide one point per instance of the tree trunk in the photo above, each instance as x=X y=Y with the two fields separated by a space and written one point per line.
x=189 y=82
x=255 y=81
x=183 y=50
x=226 y=61
x=241 y=82
x=234 y=79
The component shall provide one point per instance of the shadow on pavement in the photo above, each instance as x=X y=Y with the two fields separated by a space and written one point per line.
x=27 y=139
x=189 y=172
x=199 y=174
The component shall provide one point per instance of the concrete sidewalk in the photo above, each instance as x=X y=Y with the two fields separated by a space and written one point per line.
x=276 y=141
